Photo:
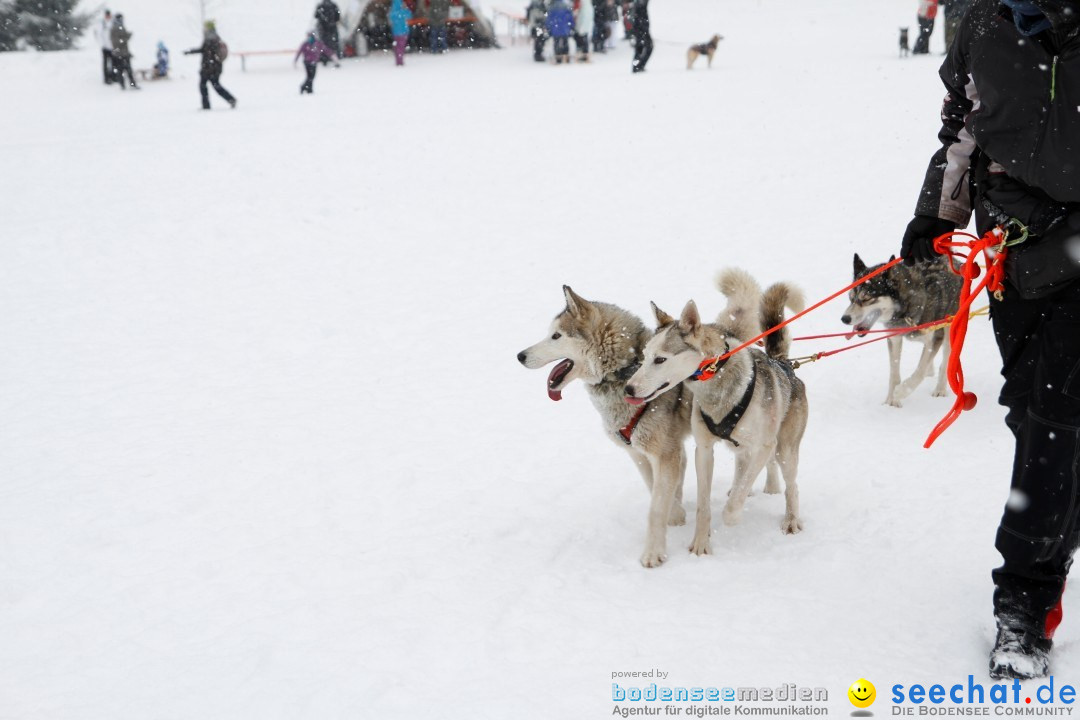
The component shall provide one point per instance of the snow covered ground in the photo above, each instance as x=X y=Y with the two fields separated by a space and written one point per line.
x=265 y=449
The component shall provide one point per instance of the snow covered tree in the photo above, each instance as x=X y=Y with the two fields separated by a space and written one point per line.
x=40 y=24
x=9 y=25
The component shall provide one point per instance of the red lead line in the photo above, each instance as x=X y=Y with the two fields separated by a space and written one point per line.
x=720 y=358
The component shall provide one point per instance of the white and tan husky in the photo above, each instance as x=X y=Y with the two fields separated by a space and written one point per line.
x=754 y=403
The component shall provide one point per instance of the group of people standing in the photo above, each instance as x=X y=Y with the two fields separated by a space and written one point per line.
x=116 y=53
x=588 y=21
x=927 y=14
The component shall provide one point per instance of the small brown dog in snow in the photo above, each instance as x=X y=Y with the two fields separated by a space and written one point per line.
x=708 y=49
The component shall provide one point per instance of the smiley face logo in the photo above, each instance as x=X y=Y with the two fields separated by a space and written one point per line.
x=862 y=693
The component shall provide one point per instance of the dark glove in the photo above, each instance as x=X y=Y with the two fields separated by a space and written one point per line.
x=918 y=244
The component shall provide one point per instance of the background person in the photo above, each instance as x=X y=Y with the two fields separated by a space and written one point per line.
x=327 y=17
x=312 y=50
x=643 y=44
x=925 y=16
x=121 y=53
x=583 y=28
x=105 y=36
x=161 y=63
x=536 y=15
x=438 y=12
x=399 y=27
x=560 y=25
x=213 y=53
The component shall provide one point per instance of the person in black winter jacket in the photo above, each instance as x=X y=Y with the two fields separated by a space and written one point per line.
x=213 y=56
x=643 y=44
x=327 y=17
x=1010 y=148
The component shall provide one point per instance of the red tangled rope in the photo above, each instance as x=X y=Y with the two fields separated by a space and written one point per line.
x=992 y=247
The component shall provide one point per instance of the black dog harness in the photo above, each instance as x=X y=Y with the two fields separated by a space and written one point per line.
x=704 y=48
x=726 y=426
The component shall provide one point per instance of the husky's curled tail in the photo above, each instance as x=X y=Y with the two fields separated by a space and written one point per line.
x=776 y=298
x=742 y=316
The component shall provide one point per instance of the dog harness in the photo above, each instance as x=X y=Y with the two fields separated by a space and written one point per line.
x=726 y=426
x=703 y=49
x=627 y=431
x=621 y=376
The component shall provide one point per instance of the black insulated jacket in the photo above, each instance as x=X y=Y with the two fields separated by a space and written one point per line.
x=1014 y=98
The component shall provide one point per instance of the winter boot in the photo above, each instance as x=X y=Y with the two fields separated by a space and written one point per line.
x=1019 y=653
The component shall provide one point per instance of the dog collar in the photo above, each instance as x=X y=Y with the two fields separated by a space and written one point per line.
x=628 y=431
x=726 y=426
x=709 y=367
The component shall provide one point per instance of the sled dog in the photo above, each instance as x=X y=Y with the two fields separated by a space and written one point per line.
x=754 y=403
x=601 y=344
x=707 y=49
x=900 y=297
x=904 y=49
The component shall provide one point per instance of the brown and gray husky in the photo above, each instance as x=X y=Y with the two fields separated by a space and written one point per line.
x=754 y=403
x=905 y=296
x=602 y=345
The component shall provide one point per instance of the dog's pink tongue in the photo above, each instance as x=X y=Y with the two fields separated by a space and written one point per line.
x=635 y=400
x=557 y=374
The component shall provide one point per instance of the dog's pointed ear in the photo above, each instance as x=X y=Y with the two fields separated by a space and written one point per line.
x=662 y=318
x=860 y=266
x=575 y=304
x=892 y=257
x=690 y=320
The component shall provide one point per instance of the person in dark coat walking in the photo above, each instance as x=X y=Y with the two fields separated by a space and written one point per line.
x=1010 y=135
x=643 y=44
x=213 y=53
x=313 y=49
x=327 y=17
x=121 y=53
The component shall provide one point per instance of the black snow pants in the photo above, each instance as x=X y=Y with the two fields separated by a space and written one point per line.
x=1039 y=342
x=539 y=41
x=214 y=80
x=310 y=69
x=107 y=65
x=642 y=47
x=121 y=67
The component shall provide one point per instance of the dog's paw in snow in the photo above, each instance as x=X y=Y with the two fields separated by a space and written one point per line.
x=893 y=402
x=653 y=559
x=701 y=546
x=791 y=525
x=677 y=516
x=940 y=392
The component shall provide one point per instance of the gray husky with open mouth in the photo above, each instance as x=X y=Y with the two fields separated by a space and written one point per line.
x=602 y=345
